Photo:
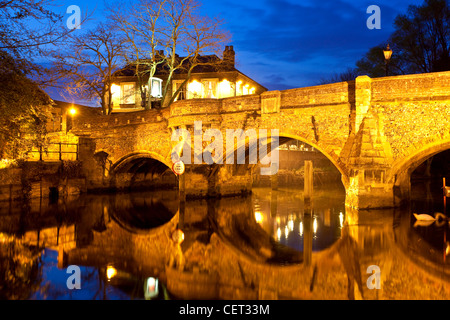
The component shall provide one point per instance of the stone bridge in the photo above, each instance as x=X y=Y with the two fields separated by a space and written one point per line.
x=375 y=131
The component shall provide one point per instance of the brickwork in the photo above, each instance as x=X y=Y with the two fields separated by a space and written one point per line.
x=372 y=130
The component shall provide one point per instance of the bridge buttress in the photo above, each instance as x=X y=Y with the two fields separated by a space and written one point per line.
x=369 y=162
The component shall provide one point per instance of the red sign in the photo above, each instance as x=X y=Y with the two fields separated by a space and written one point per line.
x=178 y=168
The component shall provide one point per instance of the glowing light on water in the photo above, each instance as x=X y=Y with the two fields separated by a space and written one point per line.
x=315 y=226
x=301 y=228
x=110 y=272
x=286 y=232
x=278 y=234
x=291 y=225
x=341 y=219
x=258 y=217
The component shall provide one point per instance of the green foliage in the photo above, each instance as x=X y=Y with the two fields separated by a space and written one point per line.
x=22 y=108
x=19 y=270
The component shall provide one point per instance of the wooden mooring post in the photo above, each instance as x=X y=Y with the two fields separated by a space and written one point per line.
x=307 y=216
x=308 y=187
x=182 y=198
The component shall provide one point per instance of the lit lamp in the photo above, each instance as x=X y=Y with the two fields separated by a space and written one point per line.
x=387 y=57
x=72 y=111
x=111 y=272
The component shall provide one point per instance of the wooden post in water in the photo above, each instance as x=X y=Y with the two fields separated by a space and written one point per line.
x=182 y=197
x=308 y=187
x=274 y=194
x=274 y=177
x=273 y=204
x=307 y=217
x=444 y=189
x=307 y=238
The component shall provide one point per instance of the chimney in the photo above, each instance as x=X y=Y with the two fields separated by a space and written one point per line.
x=229 y=57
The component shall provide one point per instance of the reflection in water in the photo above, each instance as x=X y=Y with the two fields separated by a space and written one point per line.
x=432 y=236
x=282 y=215
x=121 y=243
x=28 y=272
x=347 y=249
x=143 y=211
x=19 y=271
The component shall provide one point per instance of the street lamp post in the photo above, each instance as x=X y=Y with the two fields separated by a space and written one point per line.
x=387 y=57
x=72 y=112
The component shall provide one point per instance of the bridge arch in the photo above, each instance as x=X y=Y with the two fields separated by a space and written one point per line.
x=143 y=169
x=140 y=154
x=334 y=159
x=284 y=137
x=414 y=157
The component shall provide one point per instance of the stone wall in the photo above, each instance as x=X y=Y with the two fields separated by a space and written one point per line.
x=11 y=184
x=34 y=180
x=372 y=130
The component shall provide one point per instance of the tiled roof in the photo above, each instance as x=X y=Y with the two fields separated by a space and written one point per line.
x=205 y=64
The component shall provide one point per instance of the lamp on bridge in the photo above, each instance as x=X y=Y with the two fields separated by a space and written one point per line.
x=387 y=57
x=72 y=112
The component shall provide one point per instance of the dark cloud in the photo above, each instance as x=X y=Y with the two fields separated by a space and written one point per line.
x=305 y=37
x=296 y=33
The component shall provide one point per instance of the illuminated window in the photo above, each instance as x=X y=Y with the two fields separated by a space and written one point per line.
x=210 y=89
x=128 y=93
x=115 y=94
x=176 y=86
x=245 y=90
x=195 y=90
x=239 y=90
x=226 y=89
x=156 y=87
x=115 y=91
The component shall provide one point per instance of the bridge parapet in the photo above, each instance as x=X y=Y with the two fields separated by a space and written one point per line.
x=211 y=111
x=415 y=87
x=323 y=95
x=86 y=124
x=376 y=131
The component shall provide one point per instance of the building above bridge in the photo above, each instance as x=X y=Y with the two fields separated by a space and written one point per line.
x=212 y=78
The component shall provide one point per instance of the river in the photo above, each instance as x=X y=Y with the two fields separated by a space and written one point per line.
x=32 y=233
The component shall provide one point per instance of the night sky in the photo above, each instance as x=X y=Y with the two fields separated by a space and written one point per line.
x=286 y=44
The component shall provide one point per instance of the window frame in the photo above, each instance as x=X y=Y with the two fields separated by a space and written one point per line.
x=122 y=93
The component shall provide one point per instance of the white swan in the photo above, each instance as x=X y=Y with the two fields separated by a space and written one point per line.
x=425 y=220
x=424 y=217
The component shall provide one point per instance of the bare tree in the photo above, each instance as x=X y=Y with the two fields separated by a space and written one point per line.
x=140 y=26
x=422 y=36
x=88 y=63
x=348 y=75
x=28 y=25
x=169 y=36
